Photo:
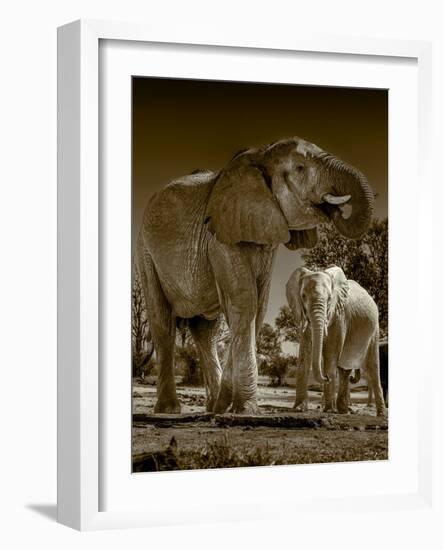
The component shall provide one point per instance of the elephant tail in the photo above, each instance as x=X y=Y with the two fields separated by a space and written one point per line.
x=355 y=377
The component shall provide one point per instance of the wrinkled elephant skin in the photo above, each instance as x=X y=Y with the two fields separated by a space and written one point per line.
x=341 y=335
x=207 y=246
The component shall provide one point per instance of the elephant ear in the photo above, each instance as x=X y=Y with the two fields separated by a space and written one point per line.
x=293 y=296
x=340 y=290
x=241 y=208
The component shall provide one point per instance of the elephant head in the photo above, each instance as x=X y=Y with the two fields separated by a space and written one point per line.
x=281 y=192
x=315 y=299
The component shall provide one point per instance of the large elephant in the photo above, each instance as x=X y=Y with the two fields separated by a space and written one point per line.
x=343 y=334
x=207 y=246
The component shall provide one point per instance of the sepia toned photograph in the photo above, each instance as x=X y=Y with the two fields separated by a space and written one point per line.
x=259 y=275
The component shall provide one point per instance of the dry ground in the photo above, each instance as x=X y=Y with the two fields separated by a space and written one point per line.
x=219 y=442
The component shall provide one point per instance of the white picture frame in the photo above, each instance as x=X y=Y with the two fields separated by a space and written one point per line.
x=80 y=255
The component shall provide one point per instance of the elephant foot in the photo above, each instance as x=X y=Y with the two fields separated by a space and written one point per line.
x=246 y=408
x=167 y=406
x=302 y=406
x=382 y=412
x=330 y=409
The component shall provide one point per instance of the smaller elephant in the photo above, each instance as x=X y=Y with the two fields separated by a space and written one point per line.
x=384 y=373
x=343 y=335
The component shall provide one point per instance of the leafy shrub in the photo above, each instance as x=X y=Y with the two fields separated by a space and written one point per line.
x=220 y=453
x=188 y=365
x=276 y=367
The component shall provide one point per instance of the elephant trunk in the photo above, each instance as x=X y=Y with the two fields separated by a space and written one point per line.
x=317 y=318
x=345 y=180
x=355 y=377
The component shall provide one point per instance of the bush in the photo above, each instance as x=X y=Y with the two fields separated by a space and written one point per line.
x=188 y=365
x=276 y=367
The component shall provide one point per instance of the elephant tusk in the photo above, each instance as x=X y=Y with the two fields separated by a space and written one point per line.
x=334 y=199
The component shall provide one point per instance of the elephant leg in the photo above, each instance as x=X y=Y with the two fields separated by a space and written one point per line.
x=163 y=327
x=373 y=374
x=237 y=288
x=330 y=389
x=245 y=375
x=343 y=390
x=370 y=393
x=349 y=394
x=204 y=333
x=224 y=399
x=301 y=391
x=238 y=386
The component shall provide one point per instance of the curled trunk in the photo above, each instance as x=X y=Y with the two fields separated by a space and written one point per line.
x=317 y=331
x=346 y=180
x=355 y=376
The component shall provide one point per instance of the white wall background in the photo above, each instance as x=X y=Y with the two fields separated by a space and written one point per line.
x=28 y=267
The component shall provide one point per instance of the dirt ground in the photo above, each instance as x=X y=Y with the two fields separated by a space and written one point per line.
x=209 y=442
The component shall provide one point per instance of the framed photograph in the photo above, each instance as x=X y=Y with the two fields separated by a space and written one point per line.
x=231 y=269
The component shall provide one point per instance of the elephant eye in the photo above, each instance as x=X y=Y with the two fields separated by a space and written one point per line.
x=299 y=168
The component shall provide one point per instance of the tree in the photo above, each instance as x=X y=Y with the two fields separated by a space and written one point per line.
x=142 y=346
x=286 y=325
x=272 y=362
x=268 y=342
x=277 y=368
x=364 y=260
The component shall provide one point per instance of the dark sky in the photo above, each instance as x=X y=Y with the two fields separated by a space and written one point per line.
x=181 y=125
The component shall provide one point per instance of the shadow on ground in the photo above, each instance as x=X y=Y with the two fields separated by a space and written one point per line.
x=48 y=511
